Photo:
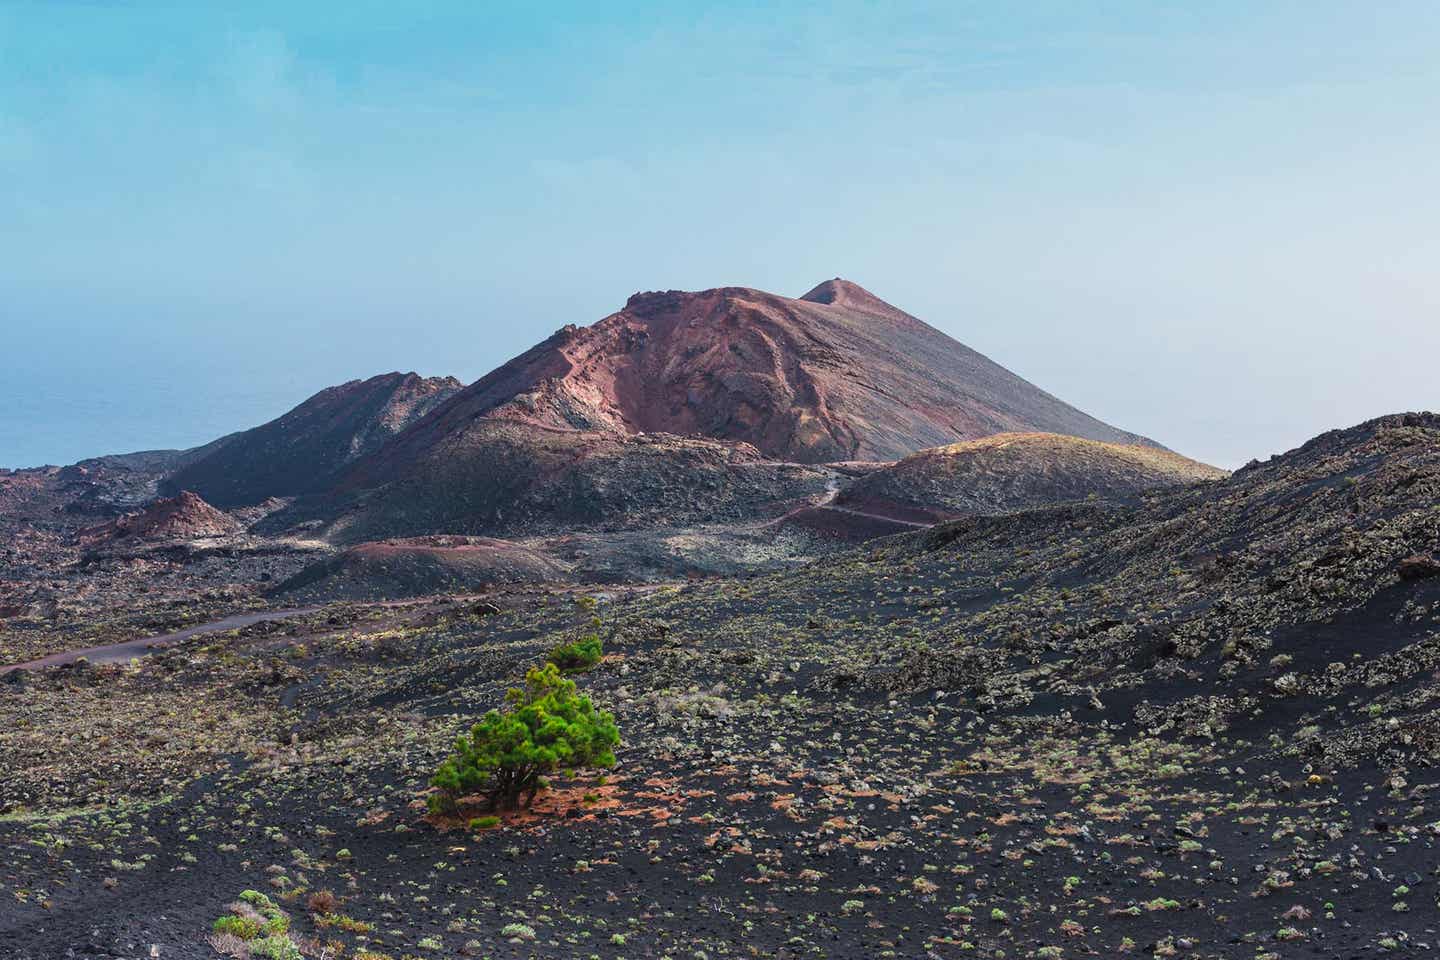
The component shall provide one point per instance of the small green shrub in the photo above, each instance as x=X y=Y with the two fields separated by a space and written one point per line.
x=274 y=922
x=275 y=947
x=580 y=655
x=257 y=900
x=242 y=927
x=518 y=931
x=484 y=823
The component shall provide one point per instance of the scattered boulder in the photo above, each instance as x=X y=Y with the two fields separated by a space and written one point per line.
x=1419 y=567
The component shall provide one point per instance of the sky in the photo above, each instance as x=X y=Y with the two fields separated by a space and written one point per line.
x=1214 y=224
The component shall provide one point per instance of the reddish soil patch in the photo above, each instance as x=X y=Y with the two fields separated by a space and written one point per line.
x=182 y=517
x=575 y=803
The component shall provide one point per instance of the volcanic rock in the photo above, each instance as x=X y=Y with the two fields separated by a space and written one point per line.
x=502 y=477
x=1419 y=567
x=420 y=566
x=182 y=517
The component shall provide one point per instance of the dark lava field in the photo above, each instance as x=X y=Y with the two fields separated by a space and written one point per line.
x=1201 y=725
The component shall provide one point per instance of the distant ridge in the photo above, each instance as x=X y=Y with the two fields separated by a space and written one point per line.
x=301 y=451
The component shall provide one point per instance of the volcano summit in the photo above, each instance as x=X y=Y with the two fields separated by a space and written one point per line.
x=837 y=374
x=569 y=429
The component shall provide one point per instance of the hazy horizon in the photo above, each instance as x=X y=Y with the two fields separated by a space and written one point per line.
x=1211 y=227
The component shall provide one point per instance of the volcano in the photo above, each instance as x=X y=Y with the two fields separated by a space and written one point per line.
x=598 y=425
x=837 y=374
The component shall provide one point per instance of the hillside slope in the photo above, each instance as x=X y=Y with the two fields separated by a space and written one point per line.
x=301 y=451
x=1232 y=585
x=1202 y=725
x=183 y=517
x=501 y=477
x=1015 y=471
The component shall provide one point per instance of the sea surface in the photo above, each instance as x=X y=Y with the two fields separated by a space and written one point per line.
x=61 y=415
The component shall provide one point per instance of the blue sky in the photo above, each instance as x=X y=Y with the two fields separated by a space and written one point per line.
x=1214 y=224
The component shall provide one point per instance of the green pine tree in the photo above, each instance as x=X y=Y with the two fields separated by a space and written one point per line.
x=545 y=726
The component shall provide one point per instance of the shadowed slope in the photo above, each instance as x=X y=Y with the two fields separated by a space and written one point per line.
x=502 y=477
x=420 y=566
x=301 y=451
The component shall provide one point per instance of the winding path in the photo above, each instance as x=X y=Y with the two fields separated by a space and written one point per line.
x=832 y=493
x=139 y=647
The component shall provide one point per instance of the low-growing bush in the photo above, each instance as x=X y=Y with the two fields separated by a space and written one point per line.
x=322 y=902
x=246 y=928
x=275 y=947
x=518 y=931
x=258 y=900
x=256 y=922
x=349 y=924
x=580 y=655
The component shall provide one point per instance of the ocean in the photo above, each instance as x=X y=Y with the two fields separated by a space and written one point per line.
x=63 y=414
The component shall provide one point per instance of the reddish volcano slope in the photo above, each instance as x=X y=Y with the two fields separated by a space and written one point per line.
x=182 y=517
x=835 y=375
x=301 y=451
